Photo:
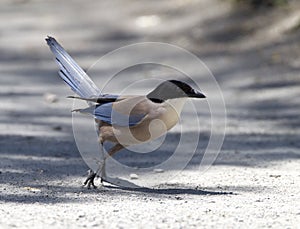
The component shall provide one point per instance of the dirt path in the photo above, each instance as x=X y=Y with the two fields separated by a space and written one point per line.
x=255 y=181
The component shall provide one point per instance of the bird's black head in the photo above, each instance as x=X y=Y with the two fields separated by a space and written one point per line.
x=173 y=89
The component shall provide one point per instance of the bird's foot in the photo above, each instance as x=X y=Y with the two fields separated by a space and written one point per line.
x=92 y=175
x=90 y=179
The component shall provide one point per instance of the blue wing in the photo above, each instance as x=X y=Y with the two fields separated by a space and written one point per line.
x=106 y=113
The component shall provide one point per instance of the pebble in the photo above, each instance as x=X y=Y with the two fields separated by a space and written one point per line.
x=134 y=176
x=275 y=176
x=50 y=98
x=158 y=170
x=32 y=189
x=57 y=128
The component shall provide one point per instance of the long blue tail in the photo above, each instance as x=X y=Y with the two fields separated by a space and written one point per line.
x=71 y=72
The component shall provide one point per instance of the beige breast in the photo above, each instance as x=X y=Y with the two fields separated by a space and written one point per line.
x=160 y=119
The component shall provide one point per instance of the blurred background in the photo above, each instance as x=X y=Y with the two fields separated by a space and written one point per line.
x=252 y=48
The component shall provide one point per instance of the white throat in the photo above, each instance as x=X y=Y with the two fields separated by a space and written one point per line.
x=177 y=104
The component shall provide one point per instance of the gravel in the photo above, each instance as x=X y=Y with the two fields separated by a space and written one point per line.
x=254 y=182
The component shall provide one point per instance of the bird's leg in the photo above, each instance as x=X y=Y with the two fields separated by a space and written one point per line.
x=90 y=179
x=101 y=169
x=91 y=174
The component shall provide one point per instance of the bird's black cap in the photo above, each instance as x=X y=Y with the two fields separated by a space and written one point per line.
x=173 y=89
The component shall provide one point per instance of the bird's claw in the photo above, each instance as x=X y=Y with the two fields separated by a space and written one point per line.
x=92 y=175
x=90 y=179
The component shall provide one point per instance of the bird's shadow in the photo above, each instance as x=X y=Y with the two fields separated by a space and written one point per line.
x=169 y=191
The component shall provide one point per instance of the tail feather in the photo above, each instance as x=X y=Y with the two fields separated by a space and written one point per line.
x=71 y=72
x=100 y=99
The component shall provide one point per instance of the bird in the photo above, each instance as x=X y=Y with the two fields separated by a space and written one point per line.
x=123 y=120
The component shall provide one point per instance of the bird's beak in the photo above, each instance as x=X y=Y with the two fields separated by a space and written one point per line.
x=196 y=94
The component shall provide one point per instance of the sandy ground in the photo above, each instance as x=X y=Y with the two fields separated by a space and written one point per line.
x=254 y=182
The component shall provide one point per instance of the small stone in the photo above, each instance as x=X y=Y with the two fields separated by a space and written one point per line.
x=158 y=170
x=275 y=176
x=134 y=176
x=57 y=128
x=81 y=216
x=50 y=98
x=32 y=189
